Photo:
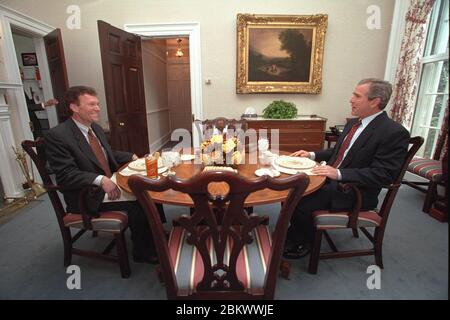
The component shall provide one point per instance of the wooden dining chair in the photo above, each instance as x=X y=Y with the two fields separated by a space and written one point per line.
x=220 y=252
x=432 y=171
x=110 y=222
x=324 y=220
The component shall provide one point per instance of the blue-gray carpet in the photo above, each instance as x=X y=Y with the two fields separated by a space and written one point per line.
x=415 y=254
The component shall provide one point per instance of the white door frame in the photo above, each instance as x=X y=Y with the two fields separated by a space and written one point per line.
x=12 y=19
x=13 y=87
x=192 y=30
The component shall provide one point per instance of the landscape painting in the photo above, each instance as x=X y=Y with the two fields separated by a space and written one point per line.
x=280 y=53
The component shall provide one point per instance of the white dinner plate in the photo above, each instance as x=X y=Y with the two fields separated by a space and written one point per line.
x=139 y=164
x=187 y=157
x=298 y=163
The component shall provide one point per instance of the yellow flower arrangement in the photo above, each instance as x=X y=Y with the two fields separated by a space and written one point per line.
x=216 y=149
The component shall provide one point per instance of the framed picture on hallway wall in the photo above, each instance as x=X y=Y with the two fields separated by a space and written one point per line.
x=280 y=53
x=29 y=59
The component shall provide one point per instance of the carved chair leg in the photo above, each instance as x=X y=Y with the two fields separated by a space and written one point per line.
x=430 y=197
x=315 y=252
x=67 y=239
x=378 y=245
x=123 y=255
x=94 y=234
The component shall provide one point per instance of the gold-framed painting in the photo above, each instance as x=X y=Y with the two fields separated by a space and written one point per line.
x=280 y=53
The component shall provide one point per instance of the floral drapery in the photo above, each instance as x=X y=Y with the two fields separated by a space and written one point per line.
x=407 y=74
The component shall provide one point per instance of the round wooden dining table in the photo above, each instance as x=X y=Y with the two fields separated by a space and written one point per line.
x=188 y=169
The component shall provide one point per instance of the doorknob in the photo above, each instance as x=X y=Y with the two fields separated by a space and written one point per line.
x=121 y=124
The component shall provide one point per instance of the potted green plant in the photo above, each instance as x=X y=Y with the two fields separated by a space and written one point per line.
x=280 y=109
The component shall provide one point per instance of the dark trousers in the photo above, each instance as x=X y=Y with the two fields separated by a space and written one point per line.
x=141 y=235
x=301 y=230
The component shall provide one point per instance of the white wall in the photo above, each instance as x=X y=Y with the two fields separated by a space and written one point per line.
x=352 y=51
x=154 y=67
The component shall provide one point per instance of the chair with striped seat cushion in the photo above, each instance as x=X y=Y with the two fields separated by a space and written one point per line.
x=334 y=220
x=110 y=222
x=220 y=251
x=355 y=218
x=251 y=265
x=432 y=171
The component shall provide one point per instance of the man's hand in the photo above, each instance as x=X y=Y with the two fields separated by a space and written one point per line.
x=327 y=171
x=51 y=102
x=301 y=153
x=134 y=157
x=110 y=188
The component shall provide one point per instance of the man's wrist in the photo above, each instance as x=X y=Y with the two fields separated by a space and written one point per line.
x=98 y=180
x=339 y=176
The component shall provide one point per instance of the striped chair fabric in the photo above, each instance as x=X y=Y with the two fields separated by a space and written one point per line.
x=108 y=221
x=251 y=265
x=333 y=220
x=426 y=168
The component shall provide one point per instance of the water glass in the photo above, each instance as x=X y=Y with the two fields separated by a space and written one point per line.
x=168 y=159
x=263 y=145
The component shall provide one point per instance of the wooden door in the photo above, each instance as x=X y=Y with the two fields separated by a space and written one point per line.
x=179 y=94
x=58 y=72
x=124 y=88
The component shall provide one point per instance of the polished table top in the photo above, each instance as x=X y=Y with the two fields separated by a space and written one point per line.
x=188 y=169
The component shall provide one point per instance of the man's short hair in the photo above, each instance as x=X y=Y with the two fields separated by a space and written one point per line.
x=73 y=95
x=378 y=89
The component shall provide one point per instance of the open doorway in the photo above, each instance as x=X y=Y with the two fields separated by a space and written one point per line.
x=166 y=69
x=31 y=80
x=136 y=126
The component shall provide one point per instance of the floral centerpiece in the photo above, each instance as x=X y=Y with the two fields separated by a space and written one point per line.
x=220 y=150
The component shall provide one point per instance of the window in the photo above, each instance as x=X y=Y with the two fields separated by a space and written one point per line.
x=433 y=88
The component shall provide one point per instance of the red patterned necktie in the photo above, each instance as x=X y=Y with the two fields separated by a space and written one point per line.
x=98 y=152
x=345 y=144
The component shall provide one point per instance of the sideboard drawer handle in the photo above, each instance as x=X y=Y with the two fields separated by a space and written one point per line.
x=304 y=139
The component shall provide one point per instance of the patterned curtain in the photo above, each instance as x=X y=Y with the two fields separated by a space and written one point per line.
x=407 y=74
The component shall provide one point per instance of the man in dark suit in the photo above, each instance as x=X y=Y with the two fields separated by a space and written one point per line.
x=79 y=154
x=35 y=124
x=369 y=152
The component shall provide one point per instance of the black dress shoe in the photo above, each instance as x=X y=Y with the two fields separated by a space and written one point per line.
x=297 y=252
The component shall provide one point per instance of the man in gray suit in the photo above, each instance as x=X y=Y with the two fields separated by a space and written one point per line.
x=79 y=154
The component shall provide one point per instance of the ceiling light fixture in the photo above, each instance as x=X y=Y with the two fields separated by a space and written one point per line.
x=179 y=52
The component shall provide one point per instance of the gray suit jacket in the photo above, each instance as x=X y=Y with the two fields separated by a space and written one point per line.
x=75 y=165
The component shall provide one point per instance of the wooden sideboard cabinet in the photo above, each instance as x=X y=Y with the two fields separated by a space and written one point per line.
x=303 y=132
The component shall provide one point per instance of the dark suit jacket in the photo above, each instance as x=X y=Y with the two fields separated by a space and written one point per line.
x=375 y=159
x=74 y=163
